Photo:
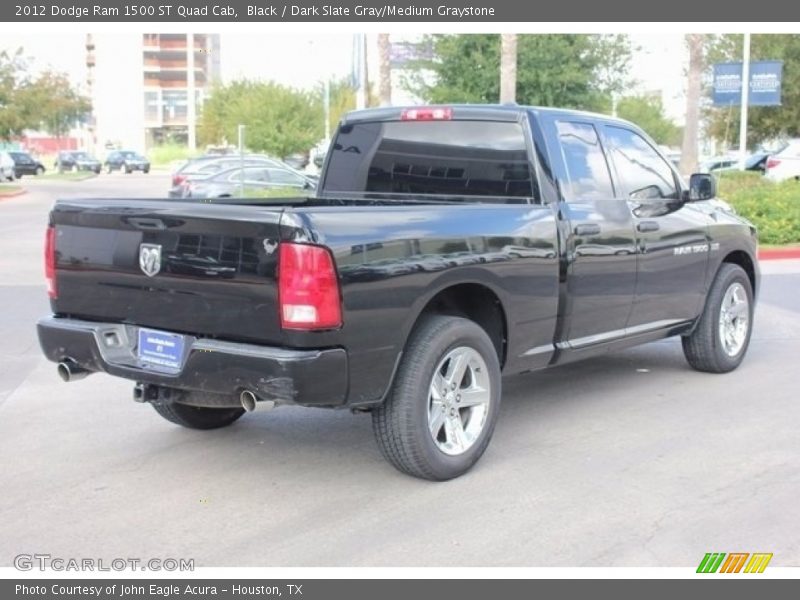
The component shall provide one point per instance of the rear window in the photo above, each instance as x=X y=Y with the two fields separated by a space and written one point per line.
x=462 y=158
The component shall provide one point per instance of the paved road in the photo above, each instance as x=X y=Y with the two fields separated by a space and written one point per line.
x=627 y=460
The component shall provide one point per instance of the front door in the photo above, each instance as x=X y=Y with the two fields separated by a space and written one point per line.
x=672 y=237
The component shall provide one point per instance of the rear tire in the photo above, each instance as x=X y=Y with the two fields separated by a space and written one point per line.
x=39 y=171
x=720 y=339
x=197 y=417
x=436 y=424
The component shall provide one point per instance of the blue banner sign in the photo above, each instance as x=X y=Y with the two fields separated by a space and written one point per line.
x=765 y=83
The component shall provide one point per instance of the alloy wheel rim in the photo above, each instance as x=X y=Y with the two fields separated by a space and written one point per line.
x=734 y=319
x=458 y=400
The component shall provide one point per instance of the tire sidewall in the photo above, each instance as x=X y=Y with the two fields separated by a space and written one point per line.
x=460 y=332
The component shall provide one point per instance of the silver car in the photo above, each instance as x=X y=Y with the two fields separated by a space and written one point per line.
x=6 y=167
x=249 y=181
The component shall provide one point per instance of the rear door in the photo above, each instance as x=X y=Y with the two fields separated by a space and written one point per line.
x=600 y=247
x=672 y=237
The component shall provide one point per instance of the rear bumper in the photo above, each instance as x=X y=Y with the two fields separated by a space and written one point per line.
x=305 y=377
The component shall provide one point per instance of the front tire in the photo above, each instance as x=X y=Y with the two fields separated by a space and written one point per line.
x=197 y=417
x=443 y=405
x=39 y=171
x=720 y=339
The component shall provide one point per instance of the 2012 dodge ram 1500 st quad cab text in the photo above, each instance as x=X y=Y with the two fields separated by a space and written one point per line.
x=444 y=245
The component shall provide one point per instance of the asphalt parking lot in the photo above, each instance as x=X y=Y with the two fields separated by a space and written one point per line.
x=631 y=459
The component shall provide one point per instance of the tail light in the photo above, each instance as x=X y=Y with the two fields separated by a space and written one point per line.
x=427 y=113
x=177 y=180
x=772 y=163
x=308 y=291
x=50 y=262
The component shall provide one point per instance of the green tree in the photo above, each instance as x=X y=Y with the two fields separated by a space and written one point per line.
x=764 y=122
x=48 y=101
x=15 y=110
x=279 y=120
x=570 y=70
x=58 y=106
x=648 y=113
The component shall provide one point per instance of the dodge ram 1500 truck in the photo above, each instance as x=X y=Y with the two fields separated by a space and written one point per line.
x=445 y=245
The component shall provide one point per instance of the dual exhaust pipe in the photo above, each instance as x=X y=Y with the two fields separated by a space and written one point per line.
x=69 y=370
x=252 y=403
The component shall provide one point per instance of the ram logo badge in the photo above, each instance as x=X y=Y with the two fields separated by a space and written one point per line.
x=150 y=259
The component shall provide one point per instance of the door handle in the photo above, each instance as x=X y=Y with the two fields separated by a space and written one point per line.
x=587 y=229
x=645 y=226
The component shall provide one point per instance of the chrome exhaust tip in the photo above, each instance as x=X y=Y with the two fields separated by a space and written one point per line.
x=251 y=402
x=70 y=371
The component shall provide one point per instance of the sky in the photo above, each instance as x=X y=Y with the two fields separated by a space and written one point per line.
x=298 y=60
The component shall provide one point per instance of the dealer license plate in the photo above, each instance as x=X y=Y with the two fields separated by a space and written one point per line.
x=160 y=349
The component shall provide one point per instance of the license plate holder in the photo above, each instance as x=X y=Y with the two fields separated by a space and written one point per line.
x=160 y=350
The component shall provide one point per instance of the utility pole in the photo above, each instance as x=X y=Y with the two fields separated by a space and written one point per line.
x=508 y=68
x=360 y=52
x=384 y=69
x=745 y=102
x=191 y=98
x=695 y=43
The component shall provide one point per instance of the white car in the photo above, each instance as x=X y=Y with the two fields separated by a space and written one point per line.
x=6 y=167
x=786 y=163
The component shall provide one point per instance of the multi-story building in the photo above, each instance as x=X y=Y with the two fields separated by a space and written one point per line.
x=140 y=85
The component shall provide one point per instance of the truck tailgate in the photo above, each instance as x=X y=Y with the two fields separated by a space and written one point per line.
x=190 y=268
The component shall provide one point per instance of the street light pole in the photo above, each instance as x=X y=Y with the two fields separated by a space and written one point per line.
x=745 y=102
x=241 y=160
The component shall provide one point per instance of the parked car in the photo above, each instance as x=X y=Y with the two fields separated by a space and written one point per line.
x=127 y=161
x=7 y=172
x=25 y=164
x=786 y=163
x=250 y=179
x=325 y=303
x=201 y=168
x=76 y=160
x=753 y=162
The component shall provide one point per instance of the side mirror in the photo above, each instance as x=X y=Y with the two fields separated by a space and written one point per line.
x=702 y=186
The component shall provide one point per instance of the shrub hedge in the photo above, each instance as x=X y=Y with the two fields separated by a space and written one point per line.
x=772 y=207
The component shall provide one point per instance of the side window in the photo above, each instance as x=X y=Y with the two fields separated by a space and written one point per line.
x=644 y=173
x=587 y=169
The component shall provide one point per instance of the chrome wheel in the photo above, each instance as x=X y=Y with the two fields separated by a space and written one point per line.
x=458 y=400
x=734 y=319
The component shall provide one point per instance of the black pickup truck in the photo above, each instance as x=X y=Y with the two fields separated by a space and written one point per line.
x=444 y=246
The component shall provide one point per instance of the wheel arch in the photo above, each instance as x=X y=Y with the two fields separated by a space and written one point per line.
x=746 y=262
x=472 y=300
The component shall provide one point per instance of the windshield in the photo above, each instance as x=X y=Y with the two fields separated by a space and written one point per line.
x=463 y=158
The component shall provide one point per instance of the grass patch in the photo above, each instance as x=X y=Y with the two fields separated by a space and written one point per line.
x=66 y=176
x=168 y=155
x=772 y=207
x=9 y=189
x=276 y=193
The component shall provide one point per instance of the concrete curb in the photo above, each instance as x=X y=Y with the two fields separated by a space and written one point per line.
x=788 y=252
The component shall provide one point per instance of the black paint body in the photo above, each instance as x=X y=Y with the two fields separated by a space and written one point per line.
x=573 y=276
